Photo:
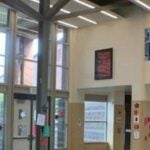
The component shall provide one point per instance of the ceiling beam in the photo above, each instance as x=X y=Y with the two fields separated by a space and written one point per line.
x=24 y=8
x=91 y=11
x=56 y=8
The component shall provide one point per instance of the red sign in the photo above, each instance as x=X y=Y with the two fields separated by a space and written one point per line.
x=103 y=64
x=44 y=142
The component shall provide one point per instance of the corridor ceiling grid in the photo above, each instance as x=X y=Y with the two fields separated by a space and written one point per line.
x=91 y=12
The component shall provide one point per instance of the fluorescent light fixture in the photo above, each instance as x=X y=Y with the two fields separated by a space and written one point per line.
x=36 y=1
x=65 y=11
x=29 y=20
x=109 y=14
x=23 y=28
x=50 y=5
x=84 y=4
x=88 y=20
x=142 y=4
x=62 y=10
x=67 y=24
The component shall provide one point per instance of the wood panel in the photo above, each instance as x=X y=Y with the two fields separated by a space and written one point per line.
x=119 y=127
x=143 y=143
x=76 y=130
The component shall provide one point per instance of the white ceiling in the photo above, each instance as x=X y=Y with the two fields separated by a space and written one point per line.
x=75 y=7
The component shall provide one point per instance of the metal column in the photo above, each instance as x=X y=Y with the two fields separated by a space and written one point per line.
x=11 y=36
x=42 y=81
x=53 y=82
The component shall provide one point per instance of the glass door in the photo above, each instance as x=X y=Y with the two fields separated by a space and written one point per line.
x=24 y=122
x=2 y=120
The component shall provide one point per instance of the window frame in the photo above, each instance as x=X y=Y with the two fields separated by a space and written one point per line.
x=64 y=67
x=105 y=122
x=4 y=119
x=65 y=123
x=23 y=59
x=5 y=56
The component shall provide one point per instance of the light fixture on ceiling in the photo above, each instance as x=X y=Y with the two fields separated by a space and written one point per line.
x=23 y=28
x=65 y=11
x=141 y=4
x=67 y=24
x=62 y=10
x=87 y=19
x=36 y=1
x=109 y=14
x=84 y=4
x=26 y=19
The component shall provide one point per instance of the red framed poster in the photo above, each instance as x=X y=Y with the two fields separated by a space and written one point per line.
x=103 y=64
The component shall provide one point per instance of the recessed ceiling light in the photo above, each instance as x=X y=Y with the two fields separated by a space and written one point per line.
x=67 y=24
x=109 y=14
x=84 y=4
x=62 y=10
x=142 y=4
x=87 y=19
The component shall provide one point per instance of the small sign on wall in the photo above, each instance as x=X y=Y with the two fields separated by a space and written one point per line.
x=40 y=120
x=136 y=134
x=136 y=121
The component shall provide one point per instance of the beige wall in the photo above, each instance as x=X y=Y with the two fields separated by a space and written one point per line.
x=126 y=37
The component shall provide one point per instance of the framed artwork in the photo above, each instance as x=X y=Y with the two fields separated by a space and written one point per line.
x=147 y=44
x=103 y=64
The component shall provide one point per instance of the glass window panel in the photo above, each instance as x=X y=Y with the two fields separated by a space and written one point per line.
x=49 y=77
x=2 y=61
x=21 y=125
x=30 y=73
x=60 y=136
x=95 y=111
x=3 y=15
x=26 y=48
x=19 y=47
x=61 y=79
x=94 y=132
x=2 y=121
x=60 y=111
x=30 y=49
x=1 y=108
x=60 y=123
x=49 y=53
x=59 y=54
x=2 y=43
x=2 y=71
x=60 y=35
x=18 y=71
x=62 y=55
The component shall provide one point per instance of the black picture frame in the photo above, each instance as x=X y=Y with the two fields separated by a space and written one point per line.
x=104 y=64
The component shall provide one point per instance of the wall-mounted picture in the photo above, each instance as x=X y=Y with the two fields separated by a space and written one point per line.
x=103 y=64
x=147 y=44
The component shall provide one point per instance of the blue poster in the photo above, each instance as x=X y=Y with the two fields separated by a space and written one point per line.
x=147 y=44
